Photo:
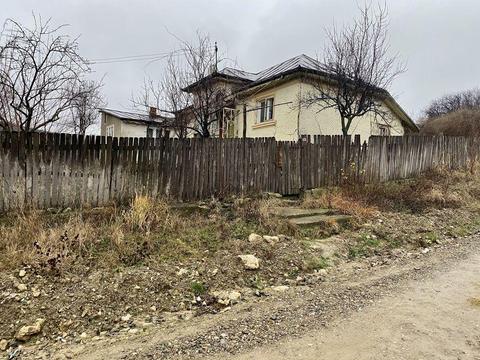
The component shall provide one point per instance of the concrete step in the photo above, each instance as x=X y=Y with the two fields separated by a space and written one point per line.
x=293 y=212
x=305 y=221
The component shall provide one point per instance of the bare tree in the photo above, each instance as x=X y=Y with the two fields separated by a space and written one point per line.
x=84 y=111
x=168 y=96
x=40 y=75
x=468 y=99
x=357 y=69
x=188 y=89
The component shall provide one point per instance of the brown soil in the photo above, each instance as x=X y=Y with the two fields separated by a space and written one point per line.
x=328 y=302
x=159 y=268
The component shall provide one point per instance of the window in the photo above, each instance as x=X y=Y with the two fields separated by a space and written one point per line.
x=109 y=130
x=383 y=130
x=149 y=133
x=265 y=110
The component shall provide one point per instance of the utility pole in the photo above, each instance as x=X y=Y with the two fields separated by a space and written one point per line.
x=244 y=121
x=216 y=57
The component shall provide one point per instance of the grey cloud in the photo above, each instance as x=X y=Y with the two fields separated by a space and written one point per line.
x=437 y=38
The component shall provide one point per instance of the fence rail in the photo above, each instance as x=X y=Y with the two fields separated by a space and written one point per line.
x=60 y=170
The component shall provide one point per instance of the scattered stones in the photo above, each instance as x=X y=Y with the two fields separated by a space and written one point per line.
x=271 y=239
x=322 y=272
x=255 y=238
x=22 y=273
x=142 y=324
x=35 y=293
x=83 y=335
x=3 y=345
x=250 y=262
x=28 y=331
x=425 y=250
x=182 y=272
x=280 y=288
x=21 y=287
x=185 y=315
x=126 y=318
x=227 y=298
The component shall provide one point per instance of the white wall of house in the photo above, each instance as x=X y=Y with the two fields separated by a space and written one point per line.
x=290 y=121
x=284 y=122
x=123 y=128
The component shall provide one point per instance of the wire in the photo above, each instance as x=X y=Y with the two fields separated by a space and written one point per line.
x=132 y=58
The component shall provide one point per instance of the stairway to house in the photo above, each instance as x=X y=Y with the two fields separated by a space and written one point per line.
x=311 y=217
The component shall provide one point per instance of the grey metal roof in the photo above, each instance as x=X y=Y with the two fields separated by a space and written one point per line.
x=298 y=62
x=131 y=116
x=238 y=73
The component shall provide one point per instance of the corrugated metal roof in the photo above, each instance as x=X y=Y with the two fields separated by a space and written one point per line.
x=238 y=73
x=298 y=62
x=126 y=115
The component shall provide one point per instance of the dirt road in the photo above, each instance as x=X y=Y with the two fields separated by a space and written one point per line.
x=407 y=305
x=434 y=319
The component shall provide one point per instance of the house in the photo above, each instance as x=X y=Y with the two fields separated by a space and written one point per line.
x=129 y=124
x=272 y=107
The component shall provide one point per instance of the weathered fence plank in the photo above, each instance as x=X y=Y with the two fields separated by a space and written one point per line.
x=50 y=170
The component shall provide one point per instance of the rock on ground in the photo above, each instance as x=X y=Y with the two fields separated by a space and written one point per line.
x=226 y=297
x=255 y=238
x=250 y=262
x=3 y=345
x=28 y=331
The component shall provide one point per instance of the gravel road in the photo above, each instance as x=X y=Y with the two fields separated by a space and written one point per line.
x=418 y=305
x=434 y=319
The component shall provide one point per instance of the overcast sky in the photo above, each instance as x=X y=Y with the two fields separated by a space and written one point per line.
x=438 y=39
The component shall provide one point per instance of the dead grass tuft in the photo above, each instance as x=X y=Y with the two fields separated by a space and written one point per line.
x=341 y=201
x=439 y=188
x=261 y=212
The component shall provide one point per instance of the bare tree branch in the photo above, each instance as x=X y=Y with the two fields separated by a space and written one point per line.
x=40 y=75
x=188 y=89
x=84 y=111
x=358 y=67
x=468 y=99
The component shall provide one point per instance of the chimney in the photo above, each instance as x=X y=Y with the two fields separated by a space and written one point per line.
x=153 y=112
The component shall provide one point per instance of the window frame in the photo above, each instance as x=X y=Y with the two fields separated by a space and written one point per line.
x=107 y=130
x=265 y=109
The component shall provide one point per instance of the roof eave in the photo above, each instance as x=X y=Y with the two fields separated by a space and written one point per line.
x=299 y=71
x=215 y=76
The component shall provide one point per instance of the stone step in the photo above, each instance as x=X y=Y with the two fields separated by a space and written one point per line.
x=342 y=220
x=292 y=212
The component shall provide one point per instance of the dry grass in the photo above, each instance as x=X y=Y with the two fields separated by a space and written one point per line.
x=151 y=231
x=261 y=211
x=440 y=188
x=341 y=200
x=146 y=231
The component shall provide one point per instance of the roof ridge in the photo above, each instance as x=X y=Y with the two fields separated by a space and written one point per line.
x=124 y=111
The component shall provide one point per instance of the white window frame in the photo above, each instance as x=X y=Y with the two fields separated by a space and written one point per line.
x=265 y=110
x=109 y=130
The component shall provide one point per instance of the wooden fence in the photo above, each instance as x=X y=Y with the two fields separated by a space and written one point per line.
x=64 y=170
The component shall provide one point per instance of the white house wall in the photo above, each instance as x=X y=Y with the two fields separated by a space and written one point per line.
x=291 y=121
